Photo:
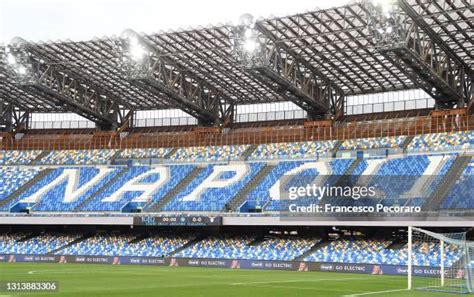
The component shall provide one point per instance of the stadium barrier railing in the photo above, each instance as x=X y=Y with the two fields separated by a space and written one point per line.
x=70 y=140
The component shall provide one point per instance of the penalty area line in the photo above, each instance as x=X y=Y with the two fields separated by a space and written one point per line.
x=374 y=293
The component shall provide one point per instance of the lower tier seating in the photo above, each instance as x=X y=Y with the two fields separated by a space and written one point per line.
x=269 y=247
x=245 y=247
x=127 y=245
x=35 y=245
x=370 y=251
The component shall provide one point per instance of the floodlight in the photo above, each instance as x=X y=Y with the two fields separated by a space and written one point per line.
x=11 y=59
x=136 y=50
x=21 y=70
x=248 y=33
x=250 y=45
x=246 y=20
x=385 y=5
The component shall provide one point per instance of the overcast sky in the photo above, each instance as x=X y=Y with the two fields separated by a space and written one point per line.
x=46 y=20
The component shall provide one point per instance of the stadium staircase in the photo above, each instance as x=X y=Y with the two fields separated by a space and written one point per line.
x=26 y=186
x=100 y=190
x=115 y=156
x=397 y=245
x=235 y=203
x=257 y=240
x=156 y=206
x=406 y=143
x=348 y=173
x=343 y=180
x=314 y=248
x=188 y=244
x=28 y=237
x=40 y=157
x=248 y=152
x=139 y=238
x=336 y=147
x=52 y=252
x=170 y=153
x=443 y=189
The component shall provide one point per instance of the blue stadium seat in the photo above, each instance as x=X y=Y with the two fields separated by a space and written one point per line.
x=77 y=157
x=245 y=247
x=211 y=199
x=460 y=196
x=11 y=179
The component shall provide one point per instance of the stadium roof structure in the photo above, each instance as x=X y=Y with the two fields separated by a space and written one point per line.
x=314 y=59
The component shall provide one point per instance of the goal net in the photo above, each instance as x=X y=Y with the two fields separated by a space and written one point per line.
x=442 y=262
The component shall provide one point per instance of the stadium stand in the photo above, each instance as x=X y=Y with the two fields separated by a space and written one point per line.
x=99 y=245
x=460 y=196
x=144 y=153
x=156 y=246
x=442 y=142
x=291 y=150
x=86 y=179
x=35 y=245
x=127 y=245
x=197 y=196
x=15 y=157
x=209 y=153
x=421 y=168
x=133 y=183
x=277 y=248
x=372 y=143
x=400 y=181
x=245 y=247
x=298 y=174
x=373 y=251
x=12 y=178
x=77 y=157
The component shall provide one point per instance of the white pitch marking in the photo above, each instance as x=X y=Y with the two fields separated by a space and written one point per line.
x=299 y=281
x=375 y=293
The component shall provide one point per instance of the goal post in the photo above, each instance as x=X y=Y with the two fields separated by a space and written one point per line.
x=440 y=262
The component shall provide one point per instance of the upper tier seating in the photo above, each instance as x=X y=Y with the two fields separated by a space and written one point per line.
x=144 y=153
x=373 y=143
x=77 y=157
x=87 y=180
x=12 y=179
x=243 y=247
x=37 y=245
x=263 y=195
x=460 y=196
x=294 y=150
x=442 y=141
x=18 y=157
x=209 y=153
x=401 y=181
x=103 y=203
x=363 y=251
x=213 y=198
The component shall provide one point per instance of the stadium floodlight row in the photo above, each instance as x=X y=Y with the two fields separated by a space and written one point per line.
x=360 y=48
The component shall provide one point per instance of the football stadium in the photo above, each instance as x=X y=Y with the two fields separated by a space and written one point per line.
x=325 y=153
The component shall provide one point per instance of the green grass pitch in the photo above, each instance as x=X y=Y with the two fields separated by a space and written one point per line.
x=106 y=280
